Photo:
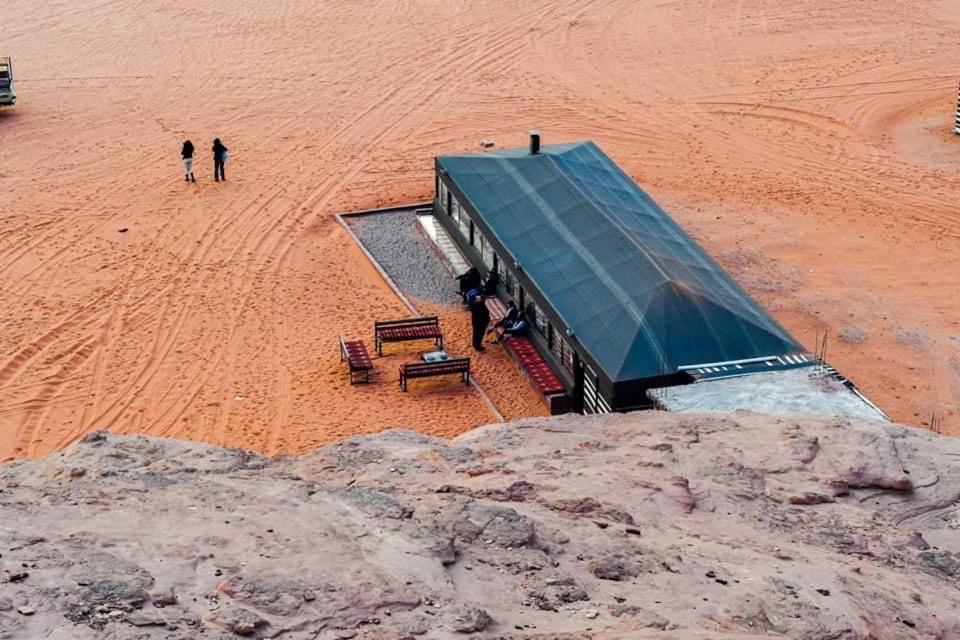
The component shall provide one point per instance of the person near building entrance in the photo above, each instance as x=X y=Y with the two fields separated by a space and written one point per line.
x=469 y=281
x=479 y=319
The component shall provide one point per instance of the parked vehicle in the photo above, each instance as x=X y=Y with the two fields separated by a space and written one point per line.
x=8 y=96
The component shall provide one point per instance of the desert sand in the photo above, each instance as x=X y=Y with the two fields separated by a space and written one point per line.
x=806 y=145
x=645 y=525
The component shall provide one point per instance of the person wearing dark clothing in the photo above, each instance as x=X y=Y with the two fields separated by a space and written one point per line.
x=471 y=296
x=512 y=323
x=469 y=281
x=187 y=154
x=517 y=328
x=479 y=319
x=511 y=316
x=219 y=158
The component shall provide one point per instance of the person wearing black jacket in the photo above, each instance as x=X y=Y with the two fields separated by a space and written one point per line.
x=219 y=157
x=187 y=154
x=469 y=281
x=479 y=319
x=512 y=315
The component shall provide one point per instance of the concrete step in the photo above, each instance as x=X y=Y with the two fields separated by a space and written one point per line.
x=441 y=239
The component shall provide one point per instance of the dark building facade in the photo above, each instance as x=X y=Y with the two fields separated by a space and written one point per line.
x=619 y=298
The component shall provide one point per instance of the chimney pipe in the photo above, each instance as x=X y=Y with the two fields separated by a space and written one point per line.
x=534 y=142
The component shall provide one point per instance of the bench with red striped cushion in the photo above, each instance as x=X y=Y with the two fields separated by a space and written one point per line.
x=408 y=333
x=534 y=366
x=358 y=360
x=427 y=328
x=429 y=369
x=497 y=310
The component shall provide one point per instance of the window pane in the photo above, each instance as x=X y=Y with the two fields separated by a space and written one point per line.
x=464 y=221
x=486 y=251
x=567 y=357
x=509 y=281
x=541 y=321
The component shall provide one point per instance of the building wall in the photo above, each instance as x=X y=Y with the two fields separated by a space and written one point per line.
x=633 y=393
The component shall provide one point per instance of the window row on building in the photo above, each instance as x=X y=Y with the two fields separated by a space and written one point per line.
x=508 y=279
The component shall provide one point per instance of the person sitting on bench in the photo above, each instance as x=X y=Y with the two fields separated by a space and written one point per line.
x=512 y=323
x=518 y=328
x=469 y=281
x=511 y=315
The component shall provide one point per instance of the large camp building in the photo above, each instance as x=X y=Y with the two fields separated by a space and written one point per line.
x=620 y=299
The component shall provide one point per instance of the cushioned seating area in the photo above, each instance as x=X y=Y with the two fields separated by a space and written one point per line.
x=407 y=329
x=496 y=308
x=410 y=332
x=427 y=369
x=534 y=366
x=358 y=360
x=358 y=356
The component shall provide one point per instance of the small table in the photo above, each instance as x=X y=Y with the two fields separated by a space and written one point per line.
x=435 y=356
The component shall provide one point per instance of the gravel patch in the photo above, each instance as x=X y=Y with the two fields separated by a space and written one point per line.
x=915 y=338
x=405 y=254
x=757 y=273
x=852 y=334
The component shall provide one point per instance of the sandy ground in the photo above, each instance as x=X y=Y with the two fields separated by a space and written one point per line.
x=807 y=144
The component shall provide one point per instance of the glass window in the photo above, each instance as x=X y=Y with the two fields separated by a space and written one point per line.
x=540 y=320
x=567 y=359
x=454 y=208
x=464 y=220
x=442 y=192
x=508 y=280
x=561 y=348
x=486 y=251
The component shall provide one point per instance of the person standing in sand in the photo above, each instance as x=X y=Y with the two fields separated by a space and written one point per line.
x=219 y=158
x=479 y=319
x=187 y=154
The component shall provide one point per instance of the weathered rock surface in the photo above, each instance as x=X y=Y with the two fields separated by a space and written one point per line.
x=646 y=525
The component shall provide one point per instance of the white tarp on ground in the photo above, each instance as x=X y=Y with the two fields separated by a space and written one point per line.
x=780 y=392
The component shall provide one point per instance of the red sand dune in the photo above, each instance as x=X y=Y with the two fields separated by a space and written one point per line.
x=806 y=144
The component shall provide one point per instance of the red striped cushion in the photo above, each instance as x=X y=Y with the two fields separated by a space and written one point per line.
x=537 y=370
x=410 y=332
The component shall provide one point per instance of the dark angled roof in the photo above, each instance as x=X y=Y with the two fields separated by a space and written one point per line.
x=641 y=297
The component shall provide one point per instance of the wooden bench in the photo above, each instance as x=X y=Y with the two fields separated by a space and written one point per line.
x=409 y=329
x=497 y=311
x=429 y=369
x=358 y=360
x=536 y=370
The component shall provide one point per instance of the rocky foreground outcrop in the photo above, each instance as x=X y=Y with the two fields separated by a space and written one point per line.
x=647 y=525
